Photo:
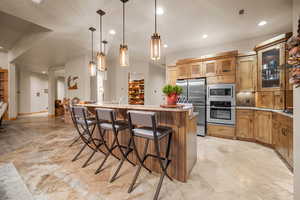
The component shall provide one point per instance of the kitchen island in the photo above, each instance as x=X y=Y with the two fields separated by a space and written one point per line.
x=184 y=140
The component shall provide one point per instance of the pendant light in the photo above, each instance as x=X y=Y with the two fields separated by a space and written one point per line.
x=92 y=64
x=124 y=55
x=101 y=55
x=155 y=40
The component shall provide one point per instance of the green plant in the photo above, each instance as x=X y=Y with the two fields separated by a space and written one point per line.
x=177 y=89
x=169 y=89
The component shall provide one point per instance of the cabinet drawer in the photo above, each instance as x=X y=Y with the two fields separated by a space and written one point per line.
x=221 y=131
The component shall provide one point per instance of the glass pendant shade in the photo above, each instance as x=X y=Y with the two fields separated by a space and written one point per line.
x=124 y=56
x=155 y=46
x=101 y=61
x=92 y=68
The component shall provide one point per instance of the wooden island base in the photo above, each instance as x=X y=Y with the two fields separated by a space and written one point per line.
x=184 y=139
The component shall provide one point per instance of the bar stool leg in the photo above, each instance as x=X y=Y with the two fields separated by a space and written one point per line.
x=75 y=141
x=112 y=147
x=139 y=168
x=78 y=154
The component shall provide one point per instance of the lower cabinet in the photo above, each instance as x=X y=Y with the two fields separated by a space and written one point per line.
x=283 y=136
x=263 y=127
x=221 y=131
x=245 y=124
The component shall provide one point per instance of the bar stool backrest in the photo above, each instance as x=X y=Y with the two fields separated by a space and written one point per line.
x=104 y=114
x=142 y=118
x=79 y=113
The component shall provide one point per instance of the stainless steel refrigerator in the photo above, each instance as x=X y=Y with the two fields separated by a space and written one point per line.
x=194 y=92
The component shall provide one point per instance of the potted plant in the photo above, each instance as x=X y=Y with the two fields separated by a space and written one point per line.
x=172 y=93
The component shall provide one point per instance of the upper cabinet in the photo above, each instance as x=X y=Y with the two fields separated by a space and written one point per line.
x=197 y=70
x=183 y=71
x=210 y=68
x=226 y=66
x=246 y=74
x=271 y=72
x=171 y=75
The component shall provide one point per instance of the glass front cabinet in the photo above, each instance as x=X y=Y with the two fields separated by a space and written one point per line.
x=271 y=73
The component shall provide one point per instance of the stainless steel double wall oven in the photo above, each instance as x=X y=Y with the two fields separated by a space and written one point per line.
x=221 y=104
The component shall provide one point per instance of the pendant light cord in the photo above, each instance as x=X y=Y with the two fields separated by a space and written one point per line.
x=100 y=33
x=155 y=18
x=123 y=23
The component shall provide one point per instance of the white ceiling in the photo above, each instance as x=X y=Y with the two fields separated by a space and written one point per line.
x=181 y=26
x=13 y=29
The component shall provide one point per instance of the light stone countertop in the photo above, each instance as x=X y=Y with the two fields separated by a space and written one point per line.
x=265 y=109
x=136 y=107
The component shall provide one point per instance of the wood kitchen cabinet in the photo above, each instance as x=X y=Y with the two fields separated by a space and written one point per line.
x=226 y=66
x=210 y=68
x=245 y=124
x=171 y=75
x=270 y=99
x=283 y=137
x=271 y=76
x=263 y=127
x=183 y=71
x=197 y=70
x=246 y=74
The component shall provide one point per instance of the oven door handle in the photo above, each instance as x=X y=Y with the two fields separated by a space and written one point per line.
x=221 y=107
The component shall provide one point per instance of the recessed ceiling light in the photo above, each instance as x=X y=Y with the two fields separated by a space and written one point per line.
x=262 y=23
x=165 y=46
x=37 y=1
x=204 y=36
x=1 y=47
x=44 y=72
x=159 y=11
x=112 y=32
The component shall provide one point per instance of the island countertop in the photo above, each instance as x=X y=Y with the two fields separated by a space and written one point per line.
x=184 y=137
x=135 y=107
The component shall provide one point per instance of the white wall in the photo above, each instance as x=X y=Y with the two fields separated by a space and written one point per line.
x=79 y=67
x=30 y=84
x=4 y=60
x=157 y=78
x=296 y=15
x=60 y=88
x=241 y=46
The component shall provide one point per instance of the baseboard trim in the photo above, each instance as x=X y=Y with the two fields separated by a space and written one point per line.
x=31 y=113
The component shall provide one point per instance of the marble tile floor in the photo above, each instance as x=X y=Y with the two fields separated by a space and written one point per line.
x=226 y=169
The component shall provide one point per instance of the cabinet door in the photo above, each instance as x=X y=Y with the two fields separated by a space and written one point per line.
x=279 y=100
x=245 y=74
x=270 y=75
x=210 y=68
x=263 y=126
x=197 y=70
x=226 y=66
x=264 y=99
x=244 y=127
x=183 y=71
x=171 y=75
x=291 y=144
x=284 y=142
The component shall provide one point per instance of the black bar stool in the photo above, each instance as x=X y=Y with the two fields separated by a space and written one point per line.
x=149 y=131
x=107 y=123
x=85 y=126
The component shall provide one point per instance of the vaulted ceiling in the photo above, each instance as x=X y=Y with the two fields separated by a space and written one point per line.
x=181 y=26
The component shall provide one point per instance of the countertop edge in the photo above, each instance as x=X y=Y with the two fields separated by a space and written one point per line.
x=135 y=107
